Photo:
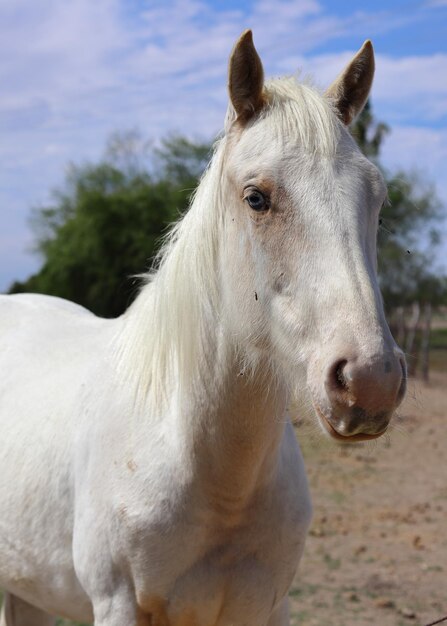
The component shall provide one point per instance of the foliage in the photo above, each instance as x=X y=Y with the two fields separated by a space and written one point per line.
x=181 y=160
x=368 y=133
x=105 y=227
x=408 y=227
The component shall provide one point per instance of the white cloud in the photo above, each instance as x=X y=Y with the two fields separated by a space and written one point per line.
x=424 y=152
x=420 y=149
x=73 y=72
x=407 y=88
x=416 y=85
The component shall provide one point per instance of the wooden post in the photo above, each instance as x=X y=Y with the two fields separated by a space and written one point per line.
x=411 y=335
x=400 y=326
x=425 y=342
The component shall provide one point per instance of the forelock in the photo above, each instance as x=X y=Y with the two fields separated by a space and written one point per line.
x=300 y=111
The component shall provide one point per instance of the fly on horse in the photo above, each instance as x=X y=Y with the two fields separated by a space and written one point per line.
x=149 y=473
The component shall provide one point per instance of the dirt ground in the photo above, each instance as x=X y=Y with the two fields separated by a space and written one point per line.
x=377 y=549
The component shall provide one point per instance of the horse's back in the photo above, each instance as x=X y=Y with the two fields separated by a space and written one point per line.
x=49 y=351
x=47 y=347
x=44 y=327
x=38 y=310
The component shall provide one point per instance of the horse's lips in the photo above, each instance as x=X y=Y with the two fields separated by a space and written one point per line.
x=339 y=437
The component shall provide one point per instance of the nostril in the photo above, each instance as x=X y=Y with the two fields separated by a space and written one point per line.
x=337 y=379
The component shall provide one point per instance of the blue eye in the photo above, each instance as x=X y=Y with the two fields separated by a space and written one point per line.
x=257 y=201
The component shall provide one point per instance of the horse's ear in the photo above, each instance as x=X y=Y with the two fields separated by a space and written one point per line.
x=351 y=89
x=245 y=77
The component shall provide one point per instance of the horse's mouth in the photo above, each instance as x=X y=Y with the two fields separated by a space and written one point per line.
x=344 y=438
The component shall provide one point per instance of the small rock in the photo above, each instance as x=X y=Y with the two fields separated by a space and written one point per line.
x=408 y=613
x=384 y=603
x=417 y=543
x=353 y=597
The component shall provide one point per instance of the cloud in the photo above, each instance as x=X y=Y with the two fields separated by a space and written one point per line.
x=420 y=149
x=76 y=71
x=407 y=88
x=424 y=152
x=416 y=84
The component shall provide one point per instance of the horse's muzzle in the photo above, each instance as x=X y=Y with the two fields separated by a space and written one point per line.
x=361 y=396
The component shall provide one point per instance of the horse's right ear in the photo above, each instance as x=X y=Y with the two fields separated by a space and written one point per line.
x=245 y=78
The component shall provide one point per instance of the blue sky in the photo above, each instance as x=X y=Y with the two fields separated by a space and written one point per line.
x=73 y=72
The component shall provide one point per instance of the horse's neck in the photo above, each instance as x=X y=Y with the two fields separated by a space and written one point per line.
x=235 y=427
x=176 y=345
x=229 y=421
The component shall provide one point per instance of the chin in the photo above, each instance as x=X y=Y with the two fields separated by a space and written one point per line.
x=344 y=438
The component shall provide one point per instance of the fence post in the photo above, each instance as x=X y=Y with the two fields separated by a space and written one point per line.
x=400 y=323
x=411 y=335
x=425 y=341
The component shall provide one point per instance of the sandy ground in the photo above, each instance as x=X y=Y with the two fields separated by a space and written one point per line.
x=377 y=549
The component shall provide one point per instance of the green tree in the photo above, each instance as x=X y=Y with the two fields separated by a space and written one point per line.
x=181 y=160
x=369 y=133
x=104 y=227
x=408 y=226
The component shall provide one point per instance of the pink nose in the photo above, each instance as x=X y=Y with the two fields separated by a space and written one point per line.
x=363 y=393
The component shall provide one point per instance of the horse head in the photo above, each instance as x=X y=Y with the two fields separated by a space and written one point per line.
x=301 y=214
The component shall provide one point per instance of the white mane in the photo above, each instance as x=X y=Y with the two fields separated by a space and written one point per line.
x=164 y=326
x=299 y=110
x=167 y=326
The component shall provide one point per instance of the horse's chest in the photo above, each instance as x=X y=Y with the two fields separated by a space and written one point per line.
x=214 y=590
x=195 y=574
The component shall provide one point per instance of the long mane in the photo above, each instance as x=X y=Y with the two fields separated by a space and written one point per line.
x=163 y=338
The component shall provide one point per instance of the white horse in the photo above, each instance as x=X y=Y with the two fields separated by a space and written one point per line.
x=149 y=474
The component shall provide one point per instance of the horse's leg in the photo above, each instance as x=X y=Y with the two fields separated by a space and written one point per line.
x=119 y=611
x=280 y=616
x=17 y=612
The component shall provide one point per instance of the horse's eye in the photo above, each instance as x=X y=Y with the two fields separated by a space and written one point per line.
x=257 y=201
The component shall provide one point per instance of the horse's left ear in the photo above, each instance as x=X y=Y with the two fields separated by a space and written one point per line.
x=351 y=89
x=245 y=78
